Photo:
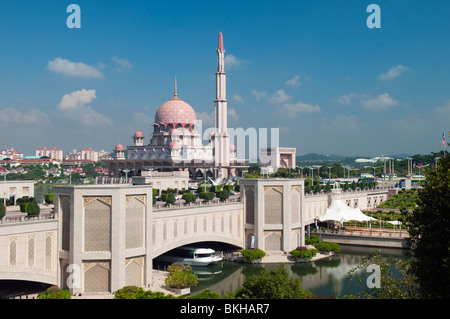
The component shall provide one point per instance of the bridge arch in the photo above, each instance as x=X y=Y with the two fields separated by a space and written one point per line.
x=197 y=239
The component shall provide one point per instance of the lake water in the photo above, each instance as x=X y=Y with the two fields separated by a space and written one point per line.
x=327 y=277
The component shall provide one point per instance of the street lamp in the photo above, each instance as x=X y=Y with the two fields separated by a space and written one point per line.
x=126 y=171
x=4 y=187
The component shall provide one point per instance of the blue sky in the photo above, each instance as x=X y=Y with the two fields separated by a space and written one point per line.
x=313 y=69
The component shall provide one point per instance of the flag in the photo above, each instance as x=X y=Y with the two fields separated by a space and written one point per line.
x=420 y=165
x=443 y=139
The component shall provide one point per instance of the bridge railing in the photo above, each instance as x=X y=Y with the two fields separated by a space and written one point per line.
x=198 y=203
x=25 y=219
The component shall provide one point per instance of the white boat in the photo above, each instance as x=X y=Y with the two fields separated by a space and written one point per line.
x=192 y=256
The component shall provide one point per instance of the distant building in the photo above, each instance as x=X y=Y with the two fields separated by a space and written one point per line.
x=278 y=157
x=89 y=154
x=11 y=154
x=54 y=153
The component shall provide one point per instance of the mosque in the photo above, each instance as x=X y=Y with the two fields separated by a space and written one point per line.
x=176 y=142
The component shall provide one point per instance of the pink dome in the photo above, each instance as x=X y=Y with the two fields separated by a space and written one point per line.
x=175 y=111
x=173 y=145
x=119 y=147
x=138 y=134
x=212 y=133
x=232 y=147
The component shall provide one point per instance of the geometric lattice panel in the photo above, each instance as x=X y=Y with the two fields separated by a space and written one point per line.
x=97 y=226
x=273 y=241
x=134 y=272
x=96 y=276
x=134 y=232
x=273 y=206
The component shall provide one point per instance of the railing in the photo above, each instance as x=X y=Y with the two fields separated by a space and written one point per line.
x=25 y=218
x=196 y=204
x=358 y=190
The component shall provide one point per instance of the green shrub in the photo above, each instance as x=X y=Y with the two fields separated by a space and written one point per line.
x=54 y=293
x=2 y=210
x=250 y=255
x=189 y=197
x=33 y=209
x=207 y=196
x=24 y=207
x=49 y=198
x=304 y=253
x=128 y=292
x=312 y=240
x=181 y=279
x=328 y=247
x=223 y=195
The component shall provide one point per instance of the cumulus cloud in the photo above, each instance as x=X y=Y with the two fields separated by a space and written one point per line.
x=380 y=102
x=443 y=109
x=259 y=94
x=295 y=81
x=30 y=117
x=75 y=105
x=77 y=69
x=232 y=61
x=347 y=99
x=394 y=72
x=279 y=97
x=77 y=99
x=299 y=107
x=233 y=114
x=237 y=98
x=122 y=63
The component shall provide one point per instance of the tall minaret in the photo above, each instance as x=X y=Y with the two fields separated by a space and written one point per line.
x=221 y=156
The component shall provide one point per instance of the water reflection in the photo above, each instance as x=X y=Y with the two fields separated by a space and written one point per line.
x=327 y=277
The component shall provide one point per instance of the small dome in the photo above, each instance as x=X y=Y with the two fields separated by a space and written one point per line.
x=173 y=145
x=232 y=147
x=119 y=147
x=138 y=134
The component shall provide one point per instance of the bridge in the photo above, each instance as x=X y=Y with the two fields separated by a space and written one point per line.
x=101 y=238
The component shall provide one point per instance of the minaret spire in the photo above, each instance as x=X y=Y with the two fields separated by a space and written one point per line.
x=175 y=94
x=220 y=41
x=221 y=156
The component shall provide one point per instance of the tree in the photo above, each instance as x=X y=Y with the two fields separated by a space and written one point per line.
x=318 y=188
x=189 y=198
x=171 y=199
x=328 y=187
x=223 y=195
x=272 y=284
x=2 y=209
x=207 y=196
x=429 y=229
x=54 y=293
x=33 y=209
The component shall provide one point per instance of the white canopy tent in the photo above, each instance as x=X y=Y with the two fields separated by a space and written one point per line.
x=338 y=211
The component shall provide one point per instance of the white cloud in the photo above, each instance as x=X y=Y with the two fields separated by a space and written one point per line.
x=122 y=64
x=347 y=99
x=279 y=97
x=31 y=116
x=443 y=108
x=76 y=99
x=76 y=106
x=232 y=61
x=207 y=119
x=232 y=112
x=380 y=102
x=295 y=81
x=78 y=69
x=259 y=94
x=299 y=107
x=237 y=98
x=393 y=72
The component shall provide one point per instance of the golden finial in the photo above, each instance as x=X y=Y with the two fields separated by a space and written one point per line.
x=176 y=94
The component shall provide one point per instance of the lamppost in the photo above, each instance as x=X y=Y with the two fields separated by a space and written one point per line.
x=6 y=172
x=126 y=171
